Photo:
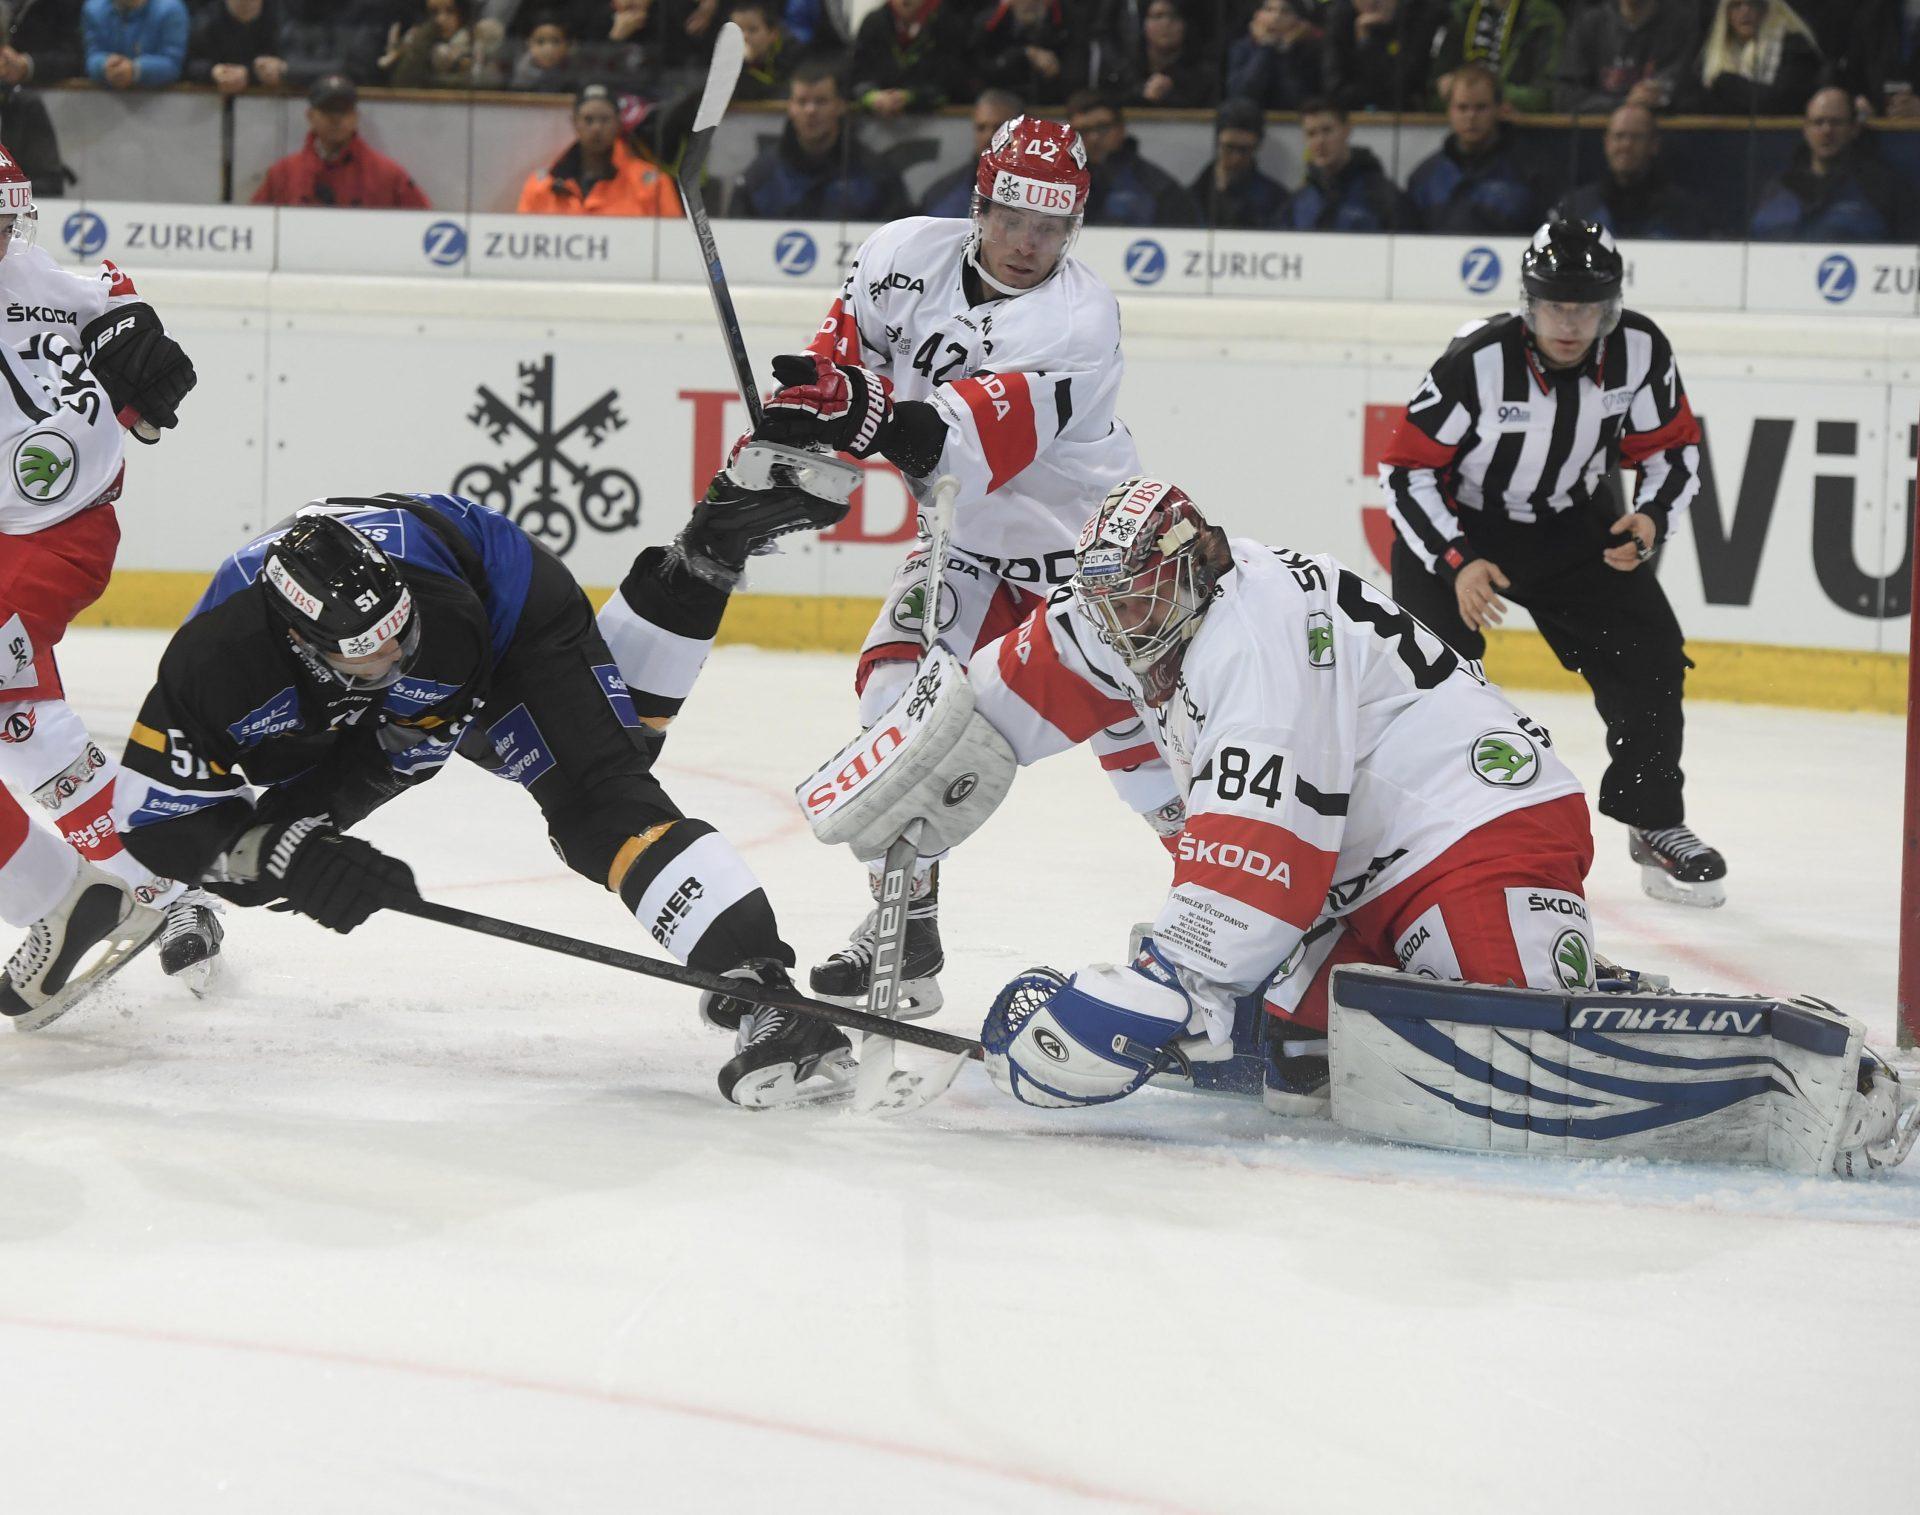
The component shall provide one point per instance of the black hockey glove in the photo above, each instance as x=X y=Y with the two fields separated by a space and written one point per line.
x=839 y=405
x=143 y=369
x=308 y=866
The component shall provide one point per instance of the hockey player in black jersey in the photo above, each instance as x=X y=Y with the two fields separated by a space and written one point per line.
x=348 y=653
x=1496 y=483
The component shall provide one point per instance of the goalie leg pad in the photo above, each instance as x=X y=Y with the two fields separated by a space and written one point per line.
x=930 y=759
x=1689 y=1077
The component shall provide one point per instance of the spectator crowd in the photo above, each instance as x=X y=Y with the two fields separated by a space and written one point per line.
x=1491 y=66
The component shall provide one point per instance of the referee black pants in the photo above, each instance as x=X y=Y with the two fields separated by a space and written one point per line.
x=1617 y=631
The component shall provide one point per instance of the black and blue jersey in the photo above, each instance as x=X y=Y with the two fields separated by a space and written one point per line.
x=241 y=706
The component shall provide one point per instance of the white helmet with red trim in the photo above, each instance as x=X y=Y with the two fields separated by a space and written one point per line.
x=19 y=216
x=1144 y=575
x=1029 y=198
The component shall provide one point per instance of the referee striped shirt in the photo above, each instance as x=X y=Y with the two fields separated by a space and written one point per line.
x=1493 y=433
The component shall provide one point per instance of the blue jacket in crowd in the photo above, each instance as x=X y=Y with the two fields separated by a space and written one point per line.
x=1489 y=194
x=1653 y=209
x=1359 y=197
x=1253 y=202
x=849 y=182
x=951 y=194
x=1129 y=191
x=1858 y=199
x=153 y=37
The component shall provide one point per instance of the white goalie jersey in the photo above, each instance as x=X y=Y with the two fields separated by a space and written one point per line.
x=1329 y=746
x=1026 y=385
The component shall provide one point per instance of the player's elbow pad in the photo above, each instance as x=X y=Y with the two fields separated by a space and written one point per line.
x=914 y=438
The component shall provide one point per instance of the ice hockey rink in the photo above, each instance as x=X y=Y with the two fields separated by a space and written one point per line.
x=416 y=1220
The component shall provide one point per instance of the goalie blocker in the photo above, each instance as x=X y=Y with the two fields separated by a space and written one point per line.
x=1788 y=1084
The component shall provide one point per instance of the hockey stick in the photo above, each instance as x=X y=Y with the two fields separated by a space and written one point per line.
x=896 y=874
x=729 y=53
x=909 y=1092
x=764 y=464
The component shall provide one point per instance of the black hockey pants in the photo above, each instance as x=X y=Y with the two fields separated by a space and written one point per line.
x=1617 y=631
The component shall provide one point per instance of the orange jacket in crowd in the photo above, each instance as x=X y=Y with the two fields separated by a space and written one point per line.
x=637 y=188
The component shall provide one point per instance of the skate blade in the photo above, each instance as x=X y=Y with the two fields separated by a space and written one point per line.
x=199 y=977
x=126 y=942
x=905 y=1091
x=1297 y=1106
x=1657 y=883
x=775 y=1087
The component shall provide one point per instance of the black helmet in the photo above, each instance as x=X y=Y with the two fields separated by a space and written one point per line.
x=1572 y=261
x=341 y=596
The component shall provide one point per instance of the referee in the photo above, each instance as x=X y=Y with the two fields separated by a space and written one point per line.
x=1496 y=483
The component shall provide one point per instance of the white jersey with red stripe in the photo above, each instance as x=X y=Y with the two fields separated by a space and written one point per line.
x=1330 y=746
x=42 y=296
x=61 y=447
x=1026 y=385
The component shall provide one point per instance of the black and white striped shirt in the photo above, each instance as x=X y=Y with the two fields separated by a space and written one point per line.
x=1493 y=433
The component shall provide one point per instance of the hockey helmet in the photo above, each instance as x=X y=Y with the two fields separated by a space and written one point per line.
x=1031 y=188
x=1573 y=263
x=17 y=210
x=344 y=599
x=1144 y=575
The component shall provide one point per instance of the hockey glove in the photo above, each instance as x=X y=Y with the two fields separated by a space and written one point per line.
x=308 y=866
x=819 y=403
x=1087 y=1040
x=143 y=369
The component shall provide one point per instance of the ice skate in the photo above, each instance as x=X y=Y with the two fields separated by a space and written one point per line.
x=49 y=973
x=844 y=977
x=1676 y=866
x=782 y=1057
x=1299 y=1077
x=190 y=941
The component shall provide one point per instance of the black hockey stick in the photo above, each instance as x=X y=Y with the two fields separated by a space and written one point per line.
x=691 y=978
x=729 y=52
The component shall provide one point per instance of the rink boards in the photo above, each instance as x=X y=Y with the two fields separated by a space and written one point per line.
x=593 y=412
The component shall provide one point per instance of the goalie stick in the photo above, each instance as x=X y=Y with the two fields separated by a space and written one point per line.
x=877 y=1068
x=905 y=1091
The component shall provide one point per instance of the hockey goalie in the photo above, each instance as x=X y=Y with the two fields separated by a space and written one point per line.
x=1374 y=833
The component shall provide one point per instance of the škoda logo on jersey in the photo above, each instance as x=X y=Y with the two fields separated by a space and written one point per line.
x=1505 y=759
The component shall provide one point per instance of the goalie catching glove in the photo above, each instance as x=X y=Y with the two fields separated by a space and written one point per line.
x=145 y=372
x=307 y=866
x=1098 y=1036
x=931 y=762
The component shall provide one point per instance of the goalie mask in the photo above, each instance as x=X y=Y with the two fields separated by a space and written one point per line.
x=344 y=601
x=19 y=216
x=1144 y=576
x=1570 y=275
x=1029 y=198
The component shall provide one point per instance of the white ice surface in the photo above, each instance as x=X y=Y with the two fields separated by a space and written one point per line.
x=420 y=1221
